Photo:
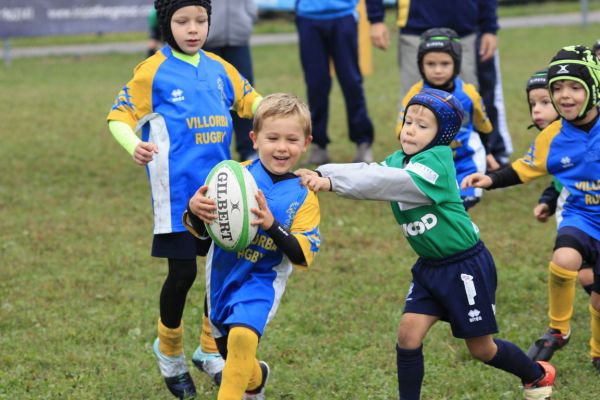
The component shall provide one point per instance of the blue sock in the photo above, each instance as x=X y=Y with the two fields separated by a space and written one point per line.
x=511 y=359
x=411 y=370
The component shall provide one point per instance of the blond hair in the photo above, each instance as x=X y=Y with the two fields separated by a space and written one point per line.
x=279 y=105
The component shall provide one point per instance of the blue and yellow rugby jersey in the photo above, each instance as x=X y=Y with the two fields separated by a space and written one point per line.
x=184 y=110
x=572 y=156
x=246 y=287
x=468 y=151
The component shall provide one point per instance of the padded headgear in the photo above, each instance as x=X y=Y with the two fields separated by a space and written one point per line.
x=579 y=64
x=539 y=80
x=165 y=10
x=448 y=112
x=445 y=40
x=596 y=47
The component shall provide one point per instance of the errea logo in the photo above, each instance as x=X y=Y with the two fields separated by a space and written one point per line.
x=177 y=95
x=566 y=162
x=474 y=315
x=562 y=69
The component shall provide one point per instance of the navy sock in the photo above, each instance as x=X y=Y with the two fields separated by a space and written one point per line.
x=511 y=359
x=411 y=370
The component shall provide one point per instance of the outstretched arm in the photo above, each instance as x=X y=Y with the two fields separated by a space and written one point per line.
x=372 y=182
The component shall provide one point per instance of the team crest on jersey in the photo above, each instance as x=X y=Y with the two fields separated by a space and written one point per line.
x=221 y=87
x=290 y=212
x=566 y=162
x=177 y=96
x=529 y=158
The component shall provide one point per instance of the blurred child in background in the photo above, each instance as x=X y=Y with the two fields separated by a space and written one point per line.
x=439 y=59
x=568 y=150
x=180 y=100
x=245 y=288
x=454 y=278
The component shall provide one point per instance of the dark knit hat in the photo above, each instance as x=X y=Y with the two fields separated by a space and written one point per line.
x=448 y=112
x=579 y=64
x=165 y=10
x=444 y=40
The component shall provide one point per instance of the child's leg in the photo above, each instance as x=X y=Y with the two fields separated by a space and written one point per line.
x=586 y=278
x=242 y=371
x=505 y=356
x=409 y=353
x=595 y=326
x=180 y=278
x=206 y=357
x=561 y=287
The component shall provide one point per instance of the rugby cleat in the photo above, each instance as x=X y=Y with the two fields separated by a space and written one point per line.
x=210 y=363
x=175 y=372
x=543 y=349
x=541 y=389
x=259 y=392
x=596 y=363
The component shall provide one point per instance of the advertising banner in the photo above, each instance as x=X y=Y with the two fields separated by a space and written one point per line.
x=20 y=18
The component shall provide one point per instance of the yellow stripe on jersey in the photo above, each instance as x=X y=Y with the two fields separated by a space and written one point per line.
x=403 y=7
x=245 y=95
x=416 y=88
x=533 y=164
x=134 y=101
x=481 y=122
x=305 y=228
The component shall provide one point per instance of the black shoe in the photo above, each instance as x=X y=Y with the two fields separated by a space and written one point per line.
x=259 y=392
x=596 y=363
x=543 y=349
x=181 y=386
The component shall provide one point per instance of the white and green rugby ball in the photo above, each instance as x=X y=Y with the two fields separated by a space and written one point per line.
x=233 y=189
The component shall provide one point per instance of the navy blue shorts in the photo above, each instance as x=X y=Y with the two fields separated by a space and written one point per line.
x=179 y=246
x=587 y=246
x=460 y=289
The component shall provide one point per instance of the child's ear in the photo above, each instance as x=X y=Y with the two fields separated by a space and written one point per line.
x=253 y=138
x=307 y=141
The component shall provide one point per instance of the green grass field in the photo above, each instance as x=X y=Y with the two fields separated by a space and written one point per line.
x=79 y=291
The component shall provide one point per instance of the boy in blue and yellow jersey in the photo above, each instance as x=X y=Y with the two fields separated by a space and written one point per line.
x=439 y=60
x=180 y=100
x=551 y=201
x=245 y=288
x=454 y=278
x=568 y=150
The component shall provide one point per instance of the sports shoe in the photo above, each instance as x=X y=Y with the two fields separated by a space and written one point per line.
x=596 y=363
x=318 y=155
x=543 y=349
x=175 y=372
x=363 y=153
x=259 y=392
x=542 y=388
x=210 y=363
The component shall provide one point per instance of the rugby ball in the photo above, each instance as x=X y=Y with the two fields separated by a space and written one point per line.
x=233 y=189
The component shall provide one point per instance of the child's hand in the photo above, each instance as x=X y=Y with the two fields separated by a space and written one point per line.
x=316 y=183
x=203 y=207
x=264 y=217
x=144 y=152
x=313 y=181
x=491 y=162
x=541 y=212
x=477 y=180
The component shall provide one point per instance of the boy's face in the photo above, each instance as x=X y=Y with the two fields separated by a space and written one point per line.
x=570 y=98
x=438 y=67
x=190 y=28
x=280 y=143
x=419 y=129
x=542 y=109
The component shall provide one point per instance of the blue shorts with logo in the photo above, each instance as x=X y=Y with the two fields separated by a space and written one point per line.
x=587 y=246
x=460 y=289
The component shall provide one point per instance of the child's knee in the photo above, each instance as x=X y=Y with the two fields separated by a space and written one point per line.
x=567 y=258
x=595 y=301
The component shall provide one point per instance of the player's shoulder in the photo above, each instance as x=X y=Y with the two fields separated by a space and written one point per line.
x=471 y=91
x=151 y=64
x=549 y=133
x=414 y=89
